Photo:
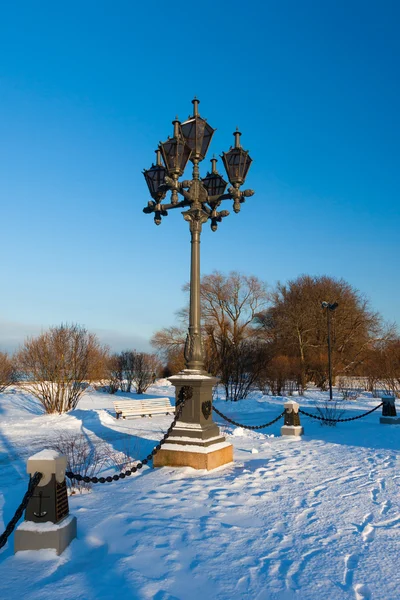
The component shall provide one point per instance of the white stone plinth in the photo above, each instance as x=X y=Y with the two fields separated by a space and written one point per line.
x=292 y=430
x=41 y=536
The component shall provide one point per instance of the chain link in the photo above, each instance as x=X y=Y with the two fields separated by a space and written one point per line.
x=18 y=513
x=138 y=465
x=303 y=412
x=252 y=427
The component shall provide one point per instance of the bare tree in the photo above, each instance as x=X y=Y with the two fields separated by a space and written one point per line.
x=145 y=371
x=127 y=360
x=229 y=304
x=387 y=363
x=280 y=374
x=58 y=363
x=297 y=326
x=8 y=374
x=241 y=366
x=111 y=381
x=170 y=344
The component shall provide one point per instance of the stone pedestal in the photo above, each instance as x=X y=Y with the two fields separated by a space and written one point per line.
x=38 y=536
x=48 y=523
x=389 y=420
x=195 y=441
x=291 y=424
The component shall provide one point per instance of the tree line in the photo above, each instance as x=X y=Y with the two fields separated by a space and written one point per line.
x=57 y=366
x=276 y=339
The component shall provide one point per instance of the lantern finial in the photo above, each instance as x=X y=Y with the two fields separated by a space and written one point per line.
x=237 y=135
x=195 y=103
x=176 y=124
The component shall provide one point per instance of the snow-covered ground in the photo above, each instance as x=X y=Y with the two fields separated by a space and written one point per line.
x=310 y=519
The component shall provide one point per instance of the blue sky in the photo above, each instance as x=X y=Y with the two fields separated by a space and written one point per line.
x=88 y=89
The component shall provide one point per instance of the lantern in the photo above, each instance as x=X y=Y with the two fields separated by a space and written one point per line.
x=197 y=133
x=155 y=176
x=214 y=183
x=175 y=152
x=236 y=162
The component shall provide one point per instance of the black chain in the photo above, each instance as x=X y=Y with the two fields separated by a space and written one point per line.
x=247 y=426
x=303 y=412
x=18 y=513
x=138 y=465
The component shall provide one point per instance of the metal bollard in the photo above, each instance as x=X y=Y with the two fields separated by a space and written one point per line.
x=48 y=523
x=389 y=414
x=291 y=424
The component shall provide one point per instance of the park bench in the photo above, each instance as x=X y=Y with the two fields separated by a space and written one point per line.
x=143 y=408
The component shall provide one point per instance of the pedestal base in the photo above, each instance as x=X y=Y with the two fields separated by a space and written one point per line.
x=40 y=536
x=390 y=420
x=197 y=457
x=292 y=430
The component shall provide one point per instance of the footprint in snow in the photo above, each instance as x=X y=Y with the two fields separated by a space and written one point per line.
x=350 y=563
x=362 y=592
x=317 y=490
x=385 y=507
x=368 y=534
x=299 y=503
x=374 y=494
x=366 y=519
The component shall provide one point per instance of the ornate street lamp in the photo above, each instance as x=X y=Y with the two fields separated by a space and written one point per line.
x=329 y=308
x=201 y=199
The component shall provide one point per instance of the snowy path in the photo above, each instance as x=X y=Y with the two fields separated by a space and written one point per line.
x=305 y=520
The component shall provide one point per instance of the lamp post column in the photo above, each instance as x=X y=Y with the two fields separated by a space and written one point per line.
x=194 y=353
x=196 y=427
x=329 y=353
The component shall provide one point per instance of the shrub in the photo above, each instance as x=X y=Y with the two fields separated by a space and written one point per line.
x=330 y=410
x=83 y=458
x=58 y=363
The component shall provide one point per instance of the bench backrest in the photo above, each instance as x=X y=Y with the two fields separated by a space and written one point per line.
x=122 y=406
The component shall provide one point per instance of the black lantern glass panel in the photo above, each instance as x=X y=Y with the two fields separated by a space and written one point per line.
x=175 y=153
x=214 y=184
x=155 y=176
x=197 y=133
x=237 y=163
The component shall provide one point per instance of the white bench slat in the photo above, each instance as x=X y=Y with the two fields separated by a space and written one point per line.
x=142 y=408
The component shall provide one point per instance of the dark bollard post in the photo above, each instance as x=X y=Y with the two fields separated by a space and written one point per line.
x=48 y=523
x=291 y=424
x=389 y=414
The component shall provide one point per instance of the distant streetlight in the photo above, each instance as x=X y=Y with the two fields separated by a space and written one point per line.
x=329 y=308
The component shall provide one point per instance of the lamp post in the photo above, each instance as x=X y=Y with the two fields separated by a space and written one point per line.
x=329 y=308
x=201 y=200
